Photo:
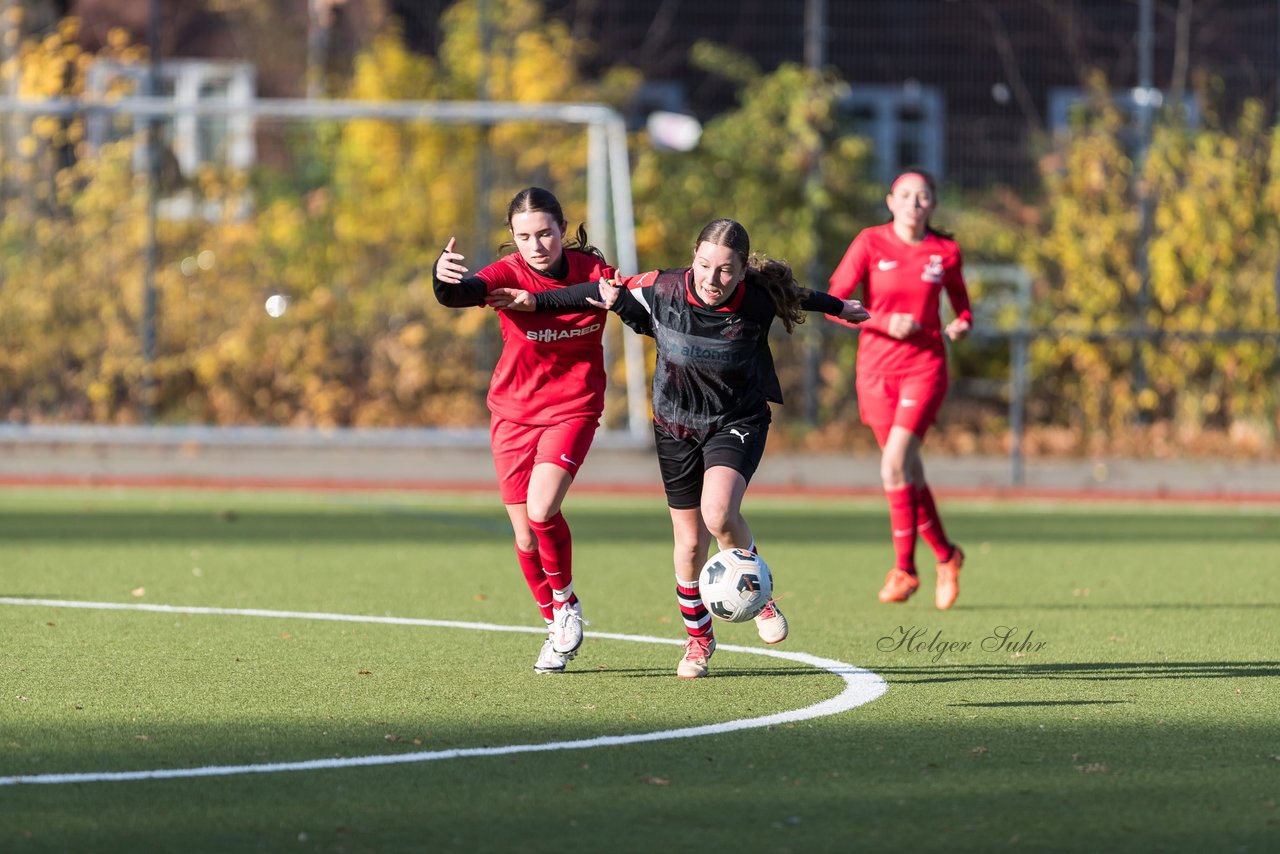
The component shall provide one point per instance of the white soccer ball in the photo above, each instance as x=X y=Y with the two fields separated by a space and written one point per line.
x=276 y=305
x=735 y=584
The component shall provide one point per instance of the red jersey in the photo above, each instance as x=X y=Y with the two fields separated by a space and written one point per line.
x=899 y=278
x=552 y=364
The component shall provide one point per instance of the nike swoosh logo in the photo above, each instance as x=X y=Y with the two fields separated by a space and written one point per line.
x=567 y=460
x=887 y=265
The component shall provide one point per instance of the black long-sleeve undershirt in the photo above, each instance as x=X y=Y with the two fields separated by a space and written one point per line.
x=471 y=291
x=576 y=296
x=571 y=296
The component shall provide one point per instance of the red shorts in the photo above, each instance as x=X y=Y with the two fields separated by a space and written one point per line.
x=517 y=448
x=907 y=400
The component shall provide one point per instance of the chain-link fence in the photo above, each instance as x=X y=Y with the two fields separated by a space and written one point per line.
x=1108 y=169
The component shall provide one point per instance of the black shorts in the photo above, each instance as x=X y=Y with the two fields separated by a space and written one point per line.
x=684 y=461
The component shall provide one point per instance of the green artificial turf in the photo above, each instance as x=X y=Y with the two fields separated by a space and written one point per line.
x=1107 y=681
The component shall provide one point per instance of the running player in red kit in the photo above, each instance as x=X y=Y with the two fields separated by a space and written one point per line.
x=546 y=398
x=903 y=267
x=712 y=386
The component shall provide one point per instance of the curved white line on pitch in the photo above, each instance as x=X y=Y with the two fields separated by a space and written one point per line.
x=861 y=687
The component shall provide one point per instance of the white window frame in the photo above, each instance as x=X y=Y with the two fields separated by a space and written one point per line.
x=1063 y=100
x=886 y=129
x=186 y=78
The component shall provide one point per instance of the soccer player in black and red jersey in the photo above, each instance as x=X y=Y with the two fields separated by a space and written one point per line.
x=546 y=398
x=903 y=267
x=712 y=386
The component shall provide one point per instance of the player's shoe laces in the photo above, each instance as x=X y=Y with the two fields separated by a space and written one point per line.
x=566 y=628
x=770 y=624
x=696 y=653
x=898 y=586
x=949 y=579
x=550 y=661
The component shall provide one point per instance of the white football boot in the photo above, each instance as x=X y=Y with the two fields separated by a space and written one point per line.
x=550 y=661
x=566 y=628
x=770 y=624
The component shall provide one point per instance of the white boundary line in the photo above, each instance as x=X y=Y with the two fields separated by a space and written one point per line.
x=861 y=687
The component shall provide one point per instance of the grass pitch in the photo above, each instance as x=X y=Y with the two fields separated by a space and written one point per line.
x=1107 y=681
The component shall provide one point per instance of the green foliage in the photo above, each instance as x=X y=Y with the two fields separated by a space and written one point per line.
x=1211 y=257
x=753 y=164
x=346 y=224
x=346 y=219
x=1213 y=266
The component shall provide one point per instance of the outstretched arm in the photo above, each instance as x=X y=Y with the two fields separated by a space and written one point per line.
x=605 y=293
x=632 y=306
x=573 y=297
x=850 y=310
x=451 y=284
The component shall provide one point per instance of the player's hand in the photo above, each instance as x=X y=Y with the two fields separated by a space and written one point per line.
x=958 y=329
x=609 y=292
x=901 y=325
x=510 y=299
x=854 y=312
x=449 y=266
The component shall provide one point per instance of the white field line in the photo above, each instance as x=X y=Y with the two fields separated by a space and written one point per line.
x=861 y=687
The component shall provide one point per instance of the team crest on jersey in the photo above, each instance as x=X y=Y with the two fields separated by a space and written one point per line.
x=546 y=336
x=932 y=270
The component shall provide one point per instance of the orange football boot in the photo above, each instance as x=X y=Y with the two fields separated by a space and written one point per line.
x=898 y=586
x=949 y=579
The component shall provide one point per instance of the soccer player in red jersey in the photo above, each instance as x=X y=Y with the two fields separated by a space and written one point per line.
x=545 y=399
x=712 y=386
x=903 y=267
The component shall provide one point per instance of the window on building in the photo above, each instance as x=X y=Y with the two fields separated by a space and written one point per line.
x=1071 y=107
x=904 y=123
x=188 y=141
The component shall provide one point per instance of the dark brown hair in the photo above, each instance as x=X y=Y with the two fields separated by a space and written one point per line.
x=775 y=277
x=532 y=199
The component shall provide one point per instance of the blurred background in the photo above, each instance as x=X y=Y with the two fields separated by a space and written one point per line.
x=224 y=213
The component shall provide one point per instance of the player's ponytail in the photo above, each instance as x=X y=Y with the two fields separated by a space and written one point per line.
x=579 y=242
x=776 y=278
x=779 y=281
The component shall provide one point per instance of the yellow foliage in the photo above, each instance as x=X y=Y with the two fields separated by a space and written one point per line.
x=348 y=233
x=1211 y=255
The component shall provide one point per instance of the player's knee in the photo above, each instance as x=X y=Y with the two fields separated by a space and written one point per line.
x=719 y=521
x=541 y=511
x=687 y=551
x=893 y=475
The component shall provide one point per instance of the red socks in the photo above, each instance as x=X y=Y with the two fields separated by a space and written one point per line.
x=902 y=519
x=531 y=566
x=929 y=523
x=555 y=545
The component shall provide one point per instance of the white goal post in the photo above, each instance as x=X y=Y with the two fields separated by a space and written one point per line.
x=609 y=200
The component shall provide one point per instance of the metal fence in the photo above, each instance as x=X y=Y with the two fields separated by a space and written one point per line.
x=142 y=237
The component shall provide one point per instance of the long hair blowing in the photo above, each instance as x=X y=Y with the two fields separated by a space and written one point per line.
x=775 y=277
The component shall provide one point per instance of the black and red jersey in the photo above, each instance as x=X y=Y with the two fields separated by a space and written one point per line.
x=552 y=364
x=714 y=367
